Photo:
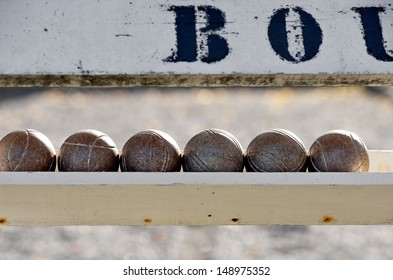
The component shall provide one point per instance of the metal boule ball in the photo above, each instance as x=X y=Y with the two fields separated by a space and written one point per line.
x=151 y=151
x=88 y=150
x=27 y=150
x=338 y=151
x=276 y=150
x=213 y=150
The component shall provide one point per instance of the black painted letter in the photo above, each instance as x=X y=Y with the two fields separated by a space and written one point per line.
x=185 y=35
x=372 y=32
x=277 y=32
x=190 y=46
x=216 y=45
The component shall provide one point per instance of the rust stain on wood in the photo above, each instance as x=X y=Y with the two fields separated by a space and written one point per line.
x=328 y=219
x=4 y=221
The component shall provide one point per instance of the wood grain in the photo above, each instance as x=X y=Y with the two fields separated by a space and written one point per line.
x=199 y=198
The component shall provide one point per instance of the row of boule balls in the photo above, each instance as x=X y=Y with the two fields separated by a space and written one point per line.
x=212 y=150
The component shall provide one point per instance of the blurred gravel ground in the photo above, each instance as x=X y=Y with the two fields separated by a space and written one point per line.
x=245 y=112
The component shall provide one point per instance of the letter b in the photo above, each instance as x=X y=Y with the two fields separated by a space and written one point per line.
x=190 y=46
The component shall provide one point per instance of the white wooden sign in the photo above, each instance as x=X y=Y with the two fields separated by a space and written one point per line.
x=199 y=42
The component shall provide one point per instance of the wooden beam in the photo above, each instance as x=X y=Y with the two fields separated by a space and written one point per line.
x=201 y=80
x=173 y=43
x=199 y=198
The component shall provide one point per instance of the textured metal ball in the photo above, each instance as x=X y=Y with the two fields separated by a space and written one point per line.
x=276 y=150
x=338 y=151
x=88 y=150
x=27 y=150
x=151 y=151
x=213 y=150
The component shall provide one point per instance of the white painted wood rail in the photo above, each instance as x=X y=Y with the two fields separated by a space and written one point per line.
x=199 y=198
x=195 y=43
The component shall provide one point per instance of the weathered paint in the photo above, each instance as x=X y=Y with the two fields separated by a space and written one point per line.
x=183 y=198
x=187 y=80
x=193 y=43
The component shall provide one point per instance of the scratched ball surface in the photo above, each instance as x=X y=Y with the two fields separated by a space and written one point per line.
x=151 y=151
x=276 y=150
x=338 y=151
x=27 y=150
x=213 y=150
x=88 y=150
